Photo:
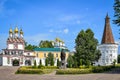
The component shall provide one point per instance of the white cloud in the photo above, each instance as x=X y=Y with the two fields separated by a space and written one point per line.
x=51 y=30
x=78 y=21
x=69 y=18
x=66 y=31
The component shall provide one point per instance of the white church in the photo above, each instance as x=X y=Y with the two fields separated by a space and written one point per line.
x=15 y=54
x=108 y=47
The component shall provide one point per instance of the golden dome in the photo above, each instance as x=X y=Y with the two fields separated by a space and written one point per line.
x=21 y=32
x=57 y=39
x=16 y=30
x=62 y=42
x=10 y=31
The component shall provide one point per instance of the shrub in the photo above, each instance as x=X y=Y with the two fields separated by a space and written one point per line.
x=49 y=67
x=74 y=71
x=26 y=70
x=99 y=69
x=40 y=66
x=82 y=67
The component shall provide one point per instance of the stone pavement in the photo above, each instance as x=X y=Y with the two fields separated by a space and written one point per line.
x=8 y=73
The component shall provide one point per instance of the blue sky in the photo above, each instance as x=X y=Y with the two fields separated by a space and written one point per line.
x=48 y=19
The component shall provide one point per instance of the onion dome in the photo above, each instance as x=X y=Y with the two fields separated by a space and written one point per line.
x=10 y=31
x=62 y=42
x=16 y=30
x=57 y=39
x=21 y=32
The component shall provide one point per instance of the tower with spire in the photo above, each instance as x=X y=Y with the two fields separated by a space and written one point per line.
x=108 y=48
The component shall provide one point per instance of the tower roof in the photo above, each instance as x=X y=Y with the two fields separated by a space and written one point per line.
x=16 y=30
x=21 y=32
x=10 y=31
x=107 y=34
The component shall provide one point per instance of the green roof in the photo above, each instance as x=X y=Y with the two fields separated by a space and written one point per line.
x=49 y=49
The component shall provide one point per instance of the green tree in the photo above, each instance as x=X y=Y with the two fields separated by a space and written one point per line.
x=50 y=59
x=45 y=44
x=118 y=58
x=46 y=62
x=30 y=47
x=70 y=61
x=86 y=47
x=75 y=61
x=34 y=62
x=114 y=62
x=40 y=62
x=117 y=12
x=81 y=62
x=58 y=63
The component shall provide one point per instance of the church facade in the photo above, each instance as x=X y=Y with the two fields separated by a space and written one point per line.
x=108 y=47
x=15 y=54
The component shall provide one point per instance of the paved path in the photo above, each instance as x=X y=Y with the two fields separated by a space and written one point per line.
x=7 y=73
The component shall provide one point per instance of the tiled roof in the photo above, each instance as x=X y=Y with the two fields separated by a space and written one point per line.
x=107 y=34
x=18 y=40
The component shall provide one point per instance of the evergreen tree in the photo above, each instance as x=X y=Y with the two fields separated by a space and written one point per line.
x=50 y=59
x=46 y=62
x=118 y=58
x=117 y=12
x=86 y=47
x=70 y=61
x=58 y=63
x=40 y=62
x=34 y=62
x=80 y=62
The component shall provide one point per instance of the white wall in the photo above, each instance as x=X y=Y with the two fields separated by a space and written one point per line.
x=109 y=53
x=20 y=46
x=10 y=46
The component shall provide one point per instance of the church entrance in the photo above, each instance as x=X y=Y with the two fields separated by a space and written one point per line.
x=28 y=62
x=15 y=62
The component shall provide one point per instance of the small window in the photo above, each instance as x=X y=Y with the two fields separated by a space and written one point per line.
x=37 y=54
x=44 y=54
x=110 y=55
x=28 y=54
x=56 y=55
x=8 y=60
